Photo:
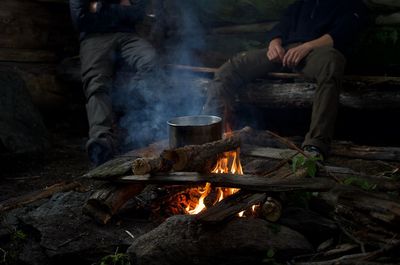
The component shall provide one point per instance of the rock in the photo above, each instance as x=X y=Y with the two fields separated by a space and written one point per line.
x=312 y=225
x=21 y=126
x=182 y=240
x=59 y=233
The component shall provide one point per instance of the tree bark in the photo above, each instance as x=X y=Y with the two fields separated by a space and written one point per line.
x=200 y=158
x=300 y=95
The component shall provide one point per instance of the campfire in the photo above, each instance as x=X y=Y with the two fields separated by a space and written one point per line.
x=228 y=163
x=204 y=189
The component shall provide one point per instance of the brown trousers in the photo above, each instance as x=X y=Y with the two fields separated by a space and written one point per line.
x=323 y=65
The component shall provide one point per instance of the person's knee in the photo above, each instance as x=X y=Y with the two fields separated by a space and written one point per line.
x=332 y=63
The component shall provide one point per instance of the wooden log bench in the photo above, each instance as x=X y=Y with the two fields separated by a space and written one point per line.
x=283 y=90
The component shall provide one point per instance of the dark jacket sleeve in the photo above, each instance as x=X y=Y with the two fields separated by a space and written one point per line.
x=283 y=27
x=346 y=27
x=107 y=14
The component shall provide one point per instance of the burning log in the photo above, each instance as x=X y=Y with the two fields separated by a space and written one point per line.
x=230 y=206
x=106 y=201
x=196 y=158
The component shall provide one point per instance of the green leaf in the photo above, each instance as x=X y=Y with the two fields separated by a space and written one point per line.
x=270 y=253
x=359 y=182
x=297 y=162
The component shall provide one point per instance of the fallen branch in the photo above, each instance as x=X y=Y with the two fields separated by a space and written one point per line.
x=291 y=145
x=38 y=195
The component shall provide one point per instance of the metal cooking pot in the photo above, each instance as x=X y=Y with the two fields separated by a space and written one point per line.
x=190 y=130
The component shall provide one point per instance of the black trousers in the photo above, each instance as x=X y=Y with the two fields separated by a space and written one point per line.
x=97 y=54
x=323 y=65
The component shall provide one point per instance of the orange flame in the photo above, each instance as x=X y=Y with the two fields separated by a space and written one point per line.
x=229 y=163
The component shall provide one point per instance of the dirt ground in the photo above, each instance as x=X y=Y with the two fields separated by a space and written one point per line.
x=65 y=160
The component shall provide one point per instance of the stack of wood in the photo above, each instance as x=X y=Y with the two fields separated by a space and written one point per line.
x=364 y=206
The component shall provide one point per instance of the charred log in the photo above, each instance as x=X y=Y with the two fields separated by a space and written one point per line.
x=108 y=200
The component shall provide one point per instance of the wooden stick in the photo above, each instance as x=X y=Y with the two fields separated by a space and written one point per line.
x=248 y=182
x=38 y=195
x=291 y=145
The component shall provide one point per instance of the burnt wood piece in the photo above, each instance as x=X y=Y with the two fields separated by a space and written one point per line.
x=271 y=210
x=199 y=158
x=108 y=200
x=112 y=169
x=369 y=216
x=122 y=165
x=38 y=195
x=230 y=206
x=378 y=208
x=248 y=182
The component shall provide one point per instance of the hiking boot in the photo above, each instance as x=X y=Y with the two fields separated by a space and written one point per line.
x=100 y=151
x=314 y=152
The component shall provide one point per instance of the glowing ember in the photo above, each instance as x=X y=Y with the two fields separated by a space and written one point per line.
x=229 y=163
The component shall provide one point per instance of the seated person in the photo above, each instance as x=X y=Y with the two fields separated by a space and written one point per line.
x=312 y=38
x=107 y=31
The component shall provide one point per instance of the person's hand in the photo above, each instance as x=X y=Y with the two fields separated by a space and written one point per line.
x=294 y=56
x=92 y=7
x=125 y=3
x=275 y=51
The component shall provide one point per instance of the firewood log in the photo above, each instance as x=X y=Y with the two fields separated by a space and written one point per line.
x=146 y=165
x=108 y=200
x=271 y=210
x=230 y=206
x=199 y=158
